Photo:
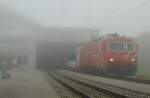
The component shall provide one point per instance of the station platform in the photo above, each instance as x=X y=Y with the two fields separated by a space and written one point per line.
x=26 y=84
x=128 y=85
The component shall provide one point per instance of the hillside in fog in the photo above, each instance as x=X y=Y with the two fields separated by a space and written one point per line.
x=144 y=54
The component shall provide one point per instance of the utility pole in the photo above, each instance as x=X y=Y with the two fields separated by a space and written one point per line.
x=89 y=13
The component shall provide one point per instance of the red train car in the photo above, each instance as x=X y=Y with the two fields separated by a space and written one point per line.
x=111 y=53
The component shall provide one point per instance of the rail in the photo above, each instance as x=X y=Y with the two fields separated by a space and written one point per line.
x=91 y=89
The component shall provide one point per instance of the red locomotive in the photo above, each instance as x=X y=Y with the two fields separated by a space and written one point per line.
x=110 y=53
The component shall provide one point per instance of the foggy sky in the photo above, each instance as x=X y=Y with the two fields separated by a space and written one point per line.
x=122 y=16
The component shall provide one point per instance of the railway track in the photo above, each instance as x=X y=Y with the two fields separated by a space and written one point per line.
x=80 y=89
x=62 y=90
x=85 y=88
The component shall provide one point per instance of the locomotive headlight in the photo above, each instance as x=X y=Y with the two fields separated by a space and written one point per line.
x=111 y=59
x=133 y=60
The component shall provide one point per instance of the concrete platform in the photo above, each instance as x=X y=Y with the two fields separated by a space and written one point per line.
x=26 y=84
x=144 y=88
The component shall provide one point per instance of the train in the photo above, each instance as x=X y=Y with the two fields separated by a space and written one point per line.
x=111 y=53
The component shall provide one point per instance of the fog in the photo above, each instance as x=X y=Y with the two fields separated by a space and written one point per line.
x=58 y=48
x=121 y=16
x=50 y=24
x=144 y=54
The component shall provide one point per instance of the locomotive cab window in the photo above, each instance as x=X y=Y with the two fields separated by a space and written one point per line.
x=130 y=47
x=116 y=46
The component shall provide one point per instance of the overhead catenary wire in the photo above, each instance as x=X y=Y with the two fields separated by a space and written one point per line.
x=89 y=13
x=63 y=10
x=126 y=11
x=65 y=4
x=140 y=5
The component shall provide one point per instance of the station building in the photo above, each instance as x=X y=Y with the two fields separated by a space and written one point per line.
x=34 y=46
x=44 y=49
x=54 y=44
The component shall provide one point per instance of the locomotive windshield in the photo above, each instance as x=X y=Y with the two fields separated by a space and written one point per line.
x=130 y=46
x=116 y=46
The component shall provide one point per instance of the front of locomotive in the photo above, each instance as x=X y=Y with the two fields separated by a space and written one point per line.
x=121 y=55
